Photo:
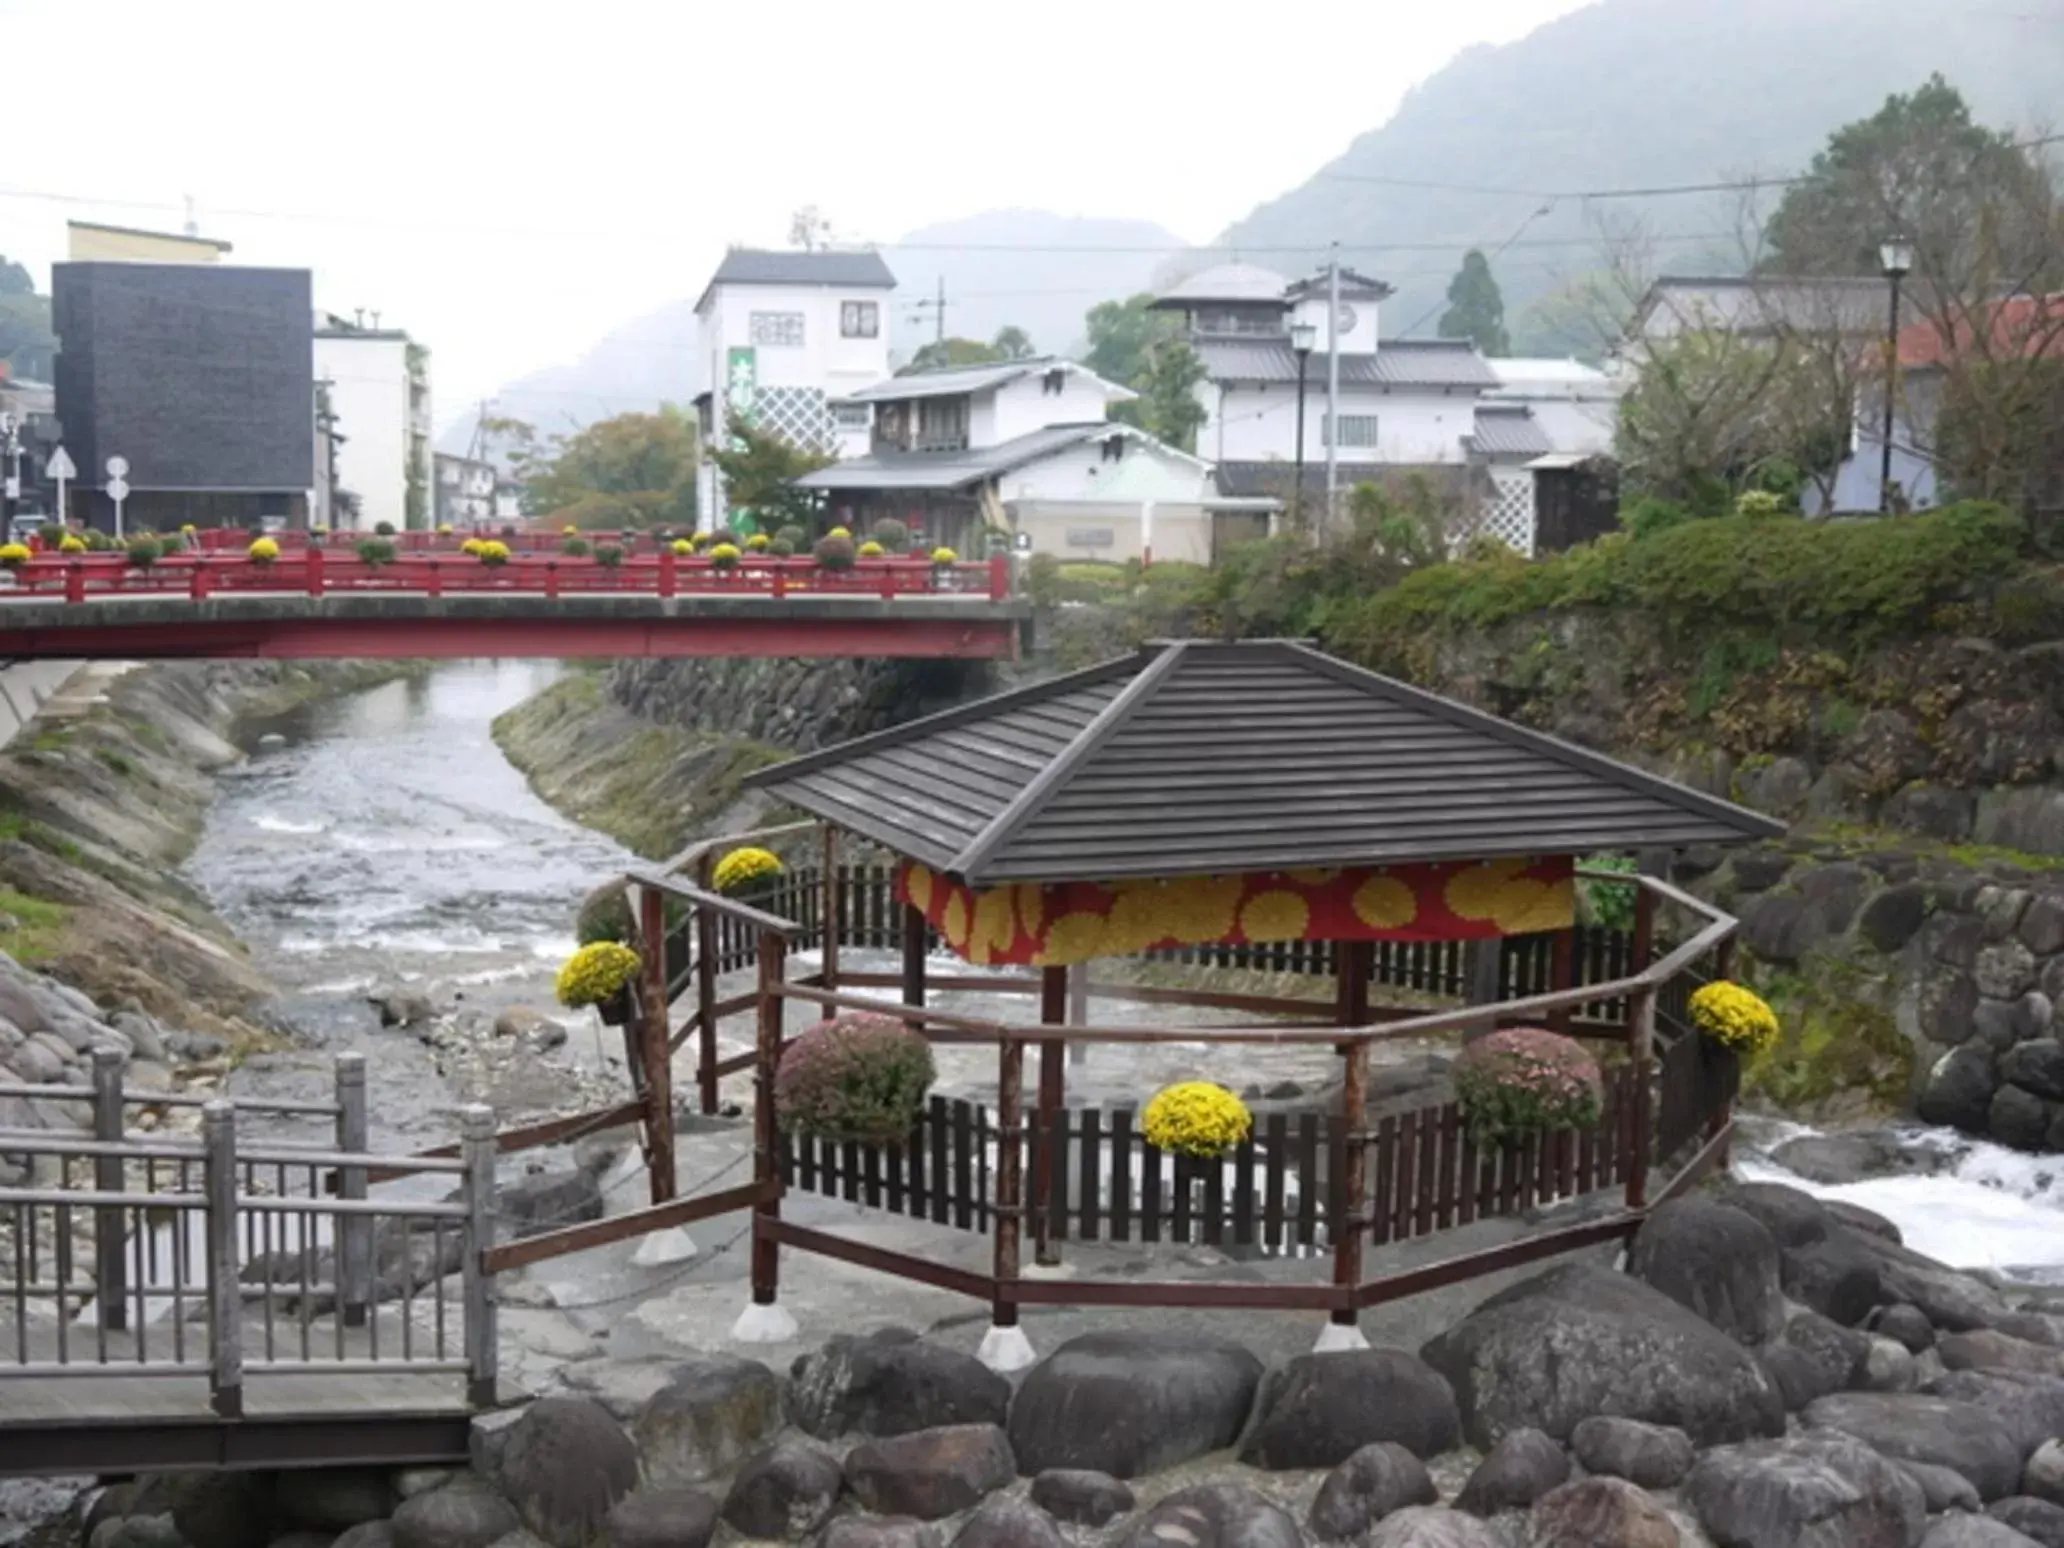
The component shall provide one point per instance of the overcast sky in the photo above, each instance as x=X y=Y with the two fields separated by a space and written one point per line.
x=508 y=179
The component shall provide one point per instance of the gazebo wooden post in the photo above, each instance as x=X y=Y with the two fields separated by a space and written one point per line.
x=1010 y=1180
x=831 y=915
x=1353 y=1181
x=1562 y=974
x=1357 y=961
x=1641 y=1007
x=1053 y=1089
x=706 y=987
x=916 y=937
x=655 y=1053
x=766 y=1250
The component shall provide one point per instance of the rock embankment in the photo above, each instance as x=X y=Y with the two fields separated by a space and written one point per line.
x=1770 y=1375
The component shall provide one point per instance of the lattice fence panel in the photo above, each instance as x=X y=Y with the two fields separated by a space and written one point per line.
x=1509 y=513
x=798 y=415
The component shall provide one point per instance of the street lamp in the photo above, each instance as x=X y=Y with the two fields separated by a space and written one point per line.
x=1302 y=337
x=1896 y=258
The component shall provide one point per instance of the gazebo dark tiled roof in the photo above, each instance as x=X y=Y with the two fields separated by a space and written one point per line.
x=1199 y=758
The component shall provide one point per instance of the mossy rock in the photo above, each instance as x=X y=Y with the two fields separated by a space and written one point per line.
x=1840 y=1044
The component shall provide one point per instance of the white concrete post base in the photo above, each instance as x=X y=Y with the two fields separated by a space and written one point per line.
x=759 y=1324
x=1336 y=1336
x=1006 y=1349
x=671 y=1245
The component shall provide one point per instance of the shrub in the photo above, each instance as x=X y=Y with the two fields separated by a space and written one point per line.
x=758 y=543
x=99 y=542
x=699 y=539
x=835 y=550
x=1652 y=514
x=1762 y=505
x=860 y=1078
x=376 y=552
x=143 y=552
x=1524 y=1081
x=683 y=548
x=943 y=555
x=742 y=867
x=724 y=535
x=596 y=973
x=71 y=543
x=892 y=534
x=262 y=551
x=871 y=550
x=781 y=548
x=574 y=548
x=724 y=556
x=1196 y=1118
x=609 y=556
x=1609 y=904
x=383 y=529
x=1735 y=1017
x=796 y=538
x=15 y=555
x=493 y=553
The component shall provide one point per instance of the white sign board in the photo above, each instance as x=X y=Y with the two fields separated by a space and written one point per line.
x=60 y=466
x=118 y=467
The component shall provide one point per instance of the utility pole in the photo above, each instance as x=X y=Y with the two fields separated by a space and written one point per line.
x=10 y=491
x=939 y=307
x=1332 y=389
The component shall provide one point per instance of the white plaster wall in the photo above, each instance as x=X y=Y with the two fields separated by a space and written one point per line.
x=370 y=396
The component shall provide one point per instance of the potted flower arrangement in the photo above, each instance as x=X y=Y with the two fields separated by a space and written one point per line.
x=374 y=552
x=71 y=543
x=871 y=550
x=609 y=556
x=834 y=551
x=859 y=1079
x=758 y=543
x=942 y=556
x=1524 y=1081
x=14 y=555
x=144 y=551
x=747 y=870
x=893 y=535
x=263 y=551
x=1735 y=1017
x=574 y=547
x=724 y=556
x=1197 y=1120
x=600 y=974
x=492 y=553
x=683 y=549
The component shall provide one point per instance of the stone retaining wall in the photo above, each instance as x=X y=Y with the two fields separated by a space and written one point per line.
x=797 y=704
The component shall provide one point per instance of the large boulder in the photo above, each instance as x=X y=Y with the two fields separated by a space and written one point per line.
x=1319 y=1409
x=930 y=1474
x=1600 y=1513
x=1839 y=1354
x=1906 y=1325
x=2038 y=1065
x=1958 y=1089
x=1916 y=1427
x=877 y=1532
x=461 y=1516
x=661 y=1518
x=1983 y=1349
x=2043 y=1476
x=890 y=1386
x=2031 y=1407
x=1797 y=1377
x=369 y=1534
x=623 y=1387
x=234 y=1510
x=1654 y=1456
x=1523 y=1466
x=544 y=1201
x=1943 y=1489
x=564 y=1464
x=1220 y=1515
x=1975 y=1532
x=2034 y=1518
x=1132 y=1403
x=1811 y=1491
x=713 y=1413
x=1081 y=1496
x=1580 y=1340
x=333 y=1499
x=1955 y=1302
x=785 y=1492
x=1009 y=1523
x=1429 y=1526
x=1717 y=1260
x=1376 y=1481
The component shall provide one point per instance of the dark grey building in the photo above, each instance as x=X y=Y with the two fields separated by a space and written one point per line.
x=202 y=376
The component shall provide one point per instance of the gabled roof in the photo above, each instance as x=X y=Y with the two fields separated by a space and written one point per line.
x=1235 y=283
x=1508 y=430
x=951 y=381
x=760 y=266
x=1353 y=287
x=1195 y=758
x=1396 y=363
x=961 y=469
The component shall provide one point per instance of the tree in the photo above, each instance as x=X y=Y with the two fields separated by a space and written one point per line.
x=760 y=468
x=633 y=470
x=1123 y=333
x=1013 y=343
x=27 y=343
x=1476 y=311
x=1168 y=405
x=943 y=354
x=808 y=229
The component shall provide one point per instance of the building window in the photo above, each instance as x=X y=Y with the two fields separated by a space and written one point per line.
x=851 y=416
x=859 y=320
x=1355 y=430
x=777 y=329
x=942 y=424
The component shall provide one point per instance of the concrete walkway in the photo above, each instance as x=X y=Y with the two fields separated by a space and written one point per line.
x=26 y=687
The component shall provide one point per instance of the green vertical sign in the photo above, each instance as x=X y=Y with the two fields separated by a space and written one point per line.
x=741 y=383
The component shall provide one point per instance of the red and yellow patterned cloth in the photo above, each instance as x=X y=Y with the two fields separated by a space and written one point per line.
x=1077 y=921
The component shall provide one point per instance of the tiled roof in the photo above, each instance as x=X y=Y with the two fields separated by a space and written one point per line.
x=1508 y=430
x=1195 y=758
x=1396 y=363
x=953 y=470
x=758 y=266
x=953 y=380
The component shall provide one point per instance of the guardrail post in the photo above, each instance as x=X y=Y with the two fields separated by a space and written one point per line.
x=1344 y=1331
x=483 y=1349
x=780 y=579
x=551 y=580
x=225 y=1290
x=435 y=587
x=766 y=1251
x=706 y=986
x=999 y=577
x=354 y=1232
x=1641 y=1045
x=314 y=563
x=669 y=570
x=198 y=578
x=1004 y=1346
x=1046 y=1164
x=110 y=1229
x=75 y=582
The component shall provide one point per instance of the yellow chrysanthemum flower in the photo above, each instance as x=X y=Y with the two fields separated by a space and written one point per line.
x=744 y=866
x=1196 y=1118
x=1734 y=1016
x=596 y=973
x=14 y=554
x=871 y=549
x=1075 y=937
x=1385 y=903
x=1275 y=916
x=263 y=550
x=944 y=555
x=953 y=924
x=1499 y=892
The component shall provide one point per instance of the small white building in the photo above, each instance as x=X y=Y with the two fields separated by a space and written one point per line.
x=465 y=490
x=1024 y=448
x=786 y=338
x=377 y=383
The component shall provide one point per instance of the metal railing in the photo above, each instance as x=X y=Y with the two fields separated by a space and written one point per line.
x=226 y=1254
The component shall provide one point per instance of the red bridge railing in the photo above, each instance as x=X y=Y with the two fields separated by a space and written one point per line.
x=317 y=571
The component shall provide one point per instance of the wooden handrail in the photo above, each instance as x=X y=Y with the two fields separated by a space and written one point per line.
x=701 y=847
x=716 y=903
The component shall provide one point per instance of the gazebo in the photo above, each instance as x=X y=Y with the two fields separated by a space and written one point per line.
x=1260 y=804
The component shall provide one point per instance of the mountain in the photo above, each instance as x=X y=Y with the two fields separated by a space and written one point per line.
x=996 y=272
x=1635 y=94
x=1000 y=269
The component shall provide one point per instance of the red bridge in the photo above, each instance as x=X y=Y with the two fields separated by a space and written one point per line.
x=317 y=601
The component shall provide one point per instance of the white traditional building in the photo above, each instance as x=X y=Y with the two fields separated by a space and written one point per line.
x=785 y=339
x=1023 y=447
x=377 y=385
x=465 y=490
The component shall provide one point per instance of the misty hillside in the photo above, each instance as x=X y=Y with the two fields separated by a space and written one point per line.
x=1638 y=93
x=995 y=275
